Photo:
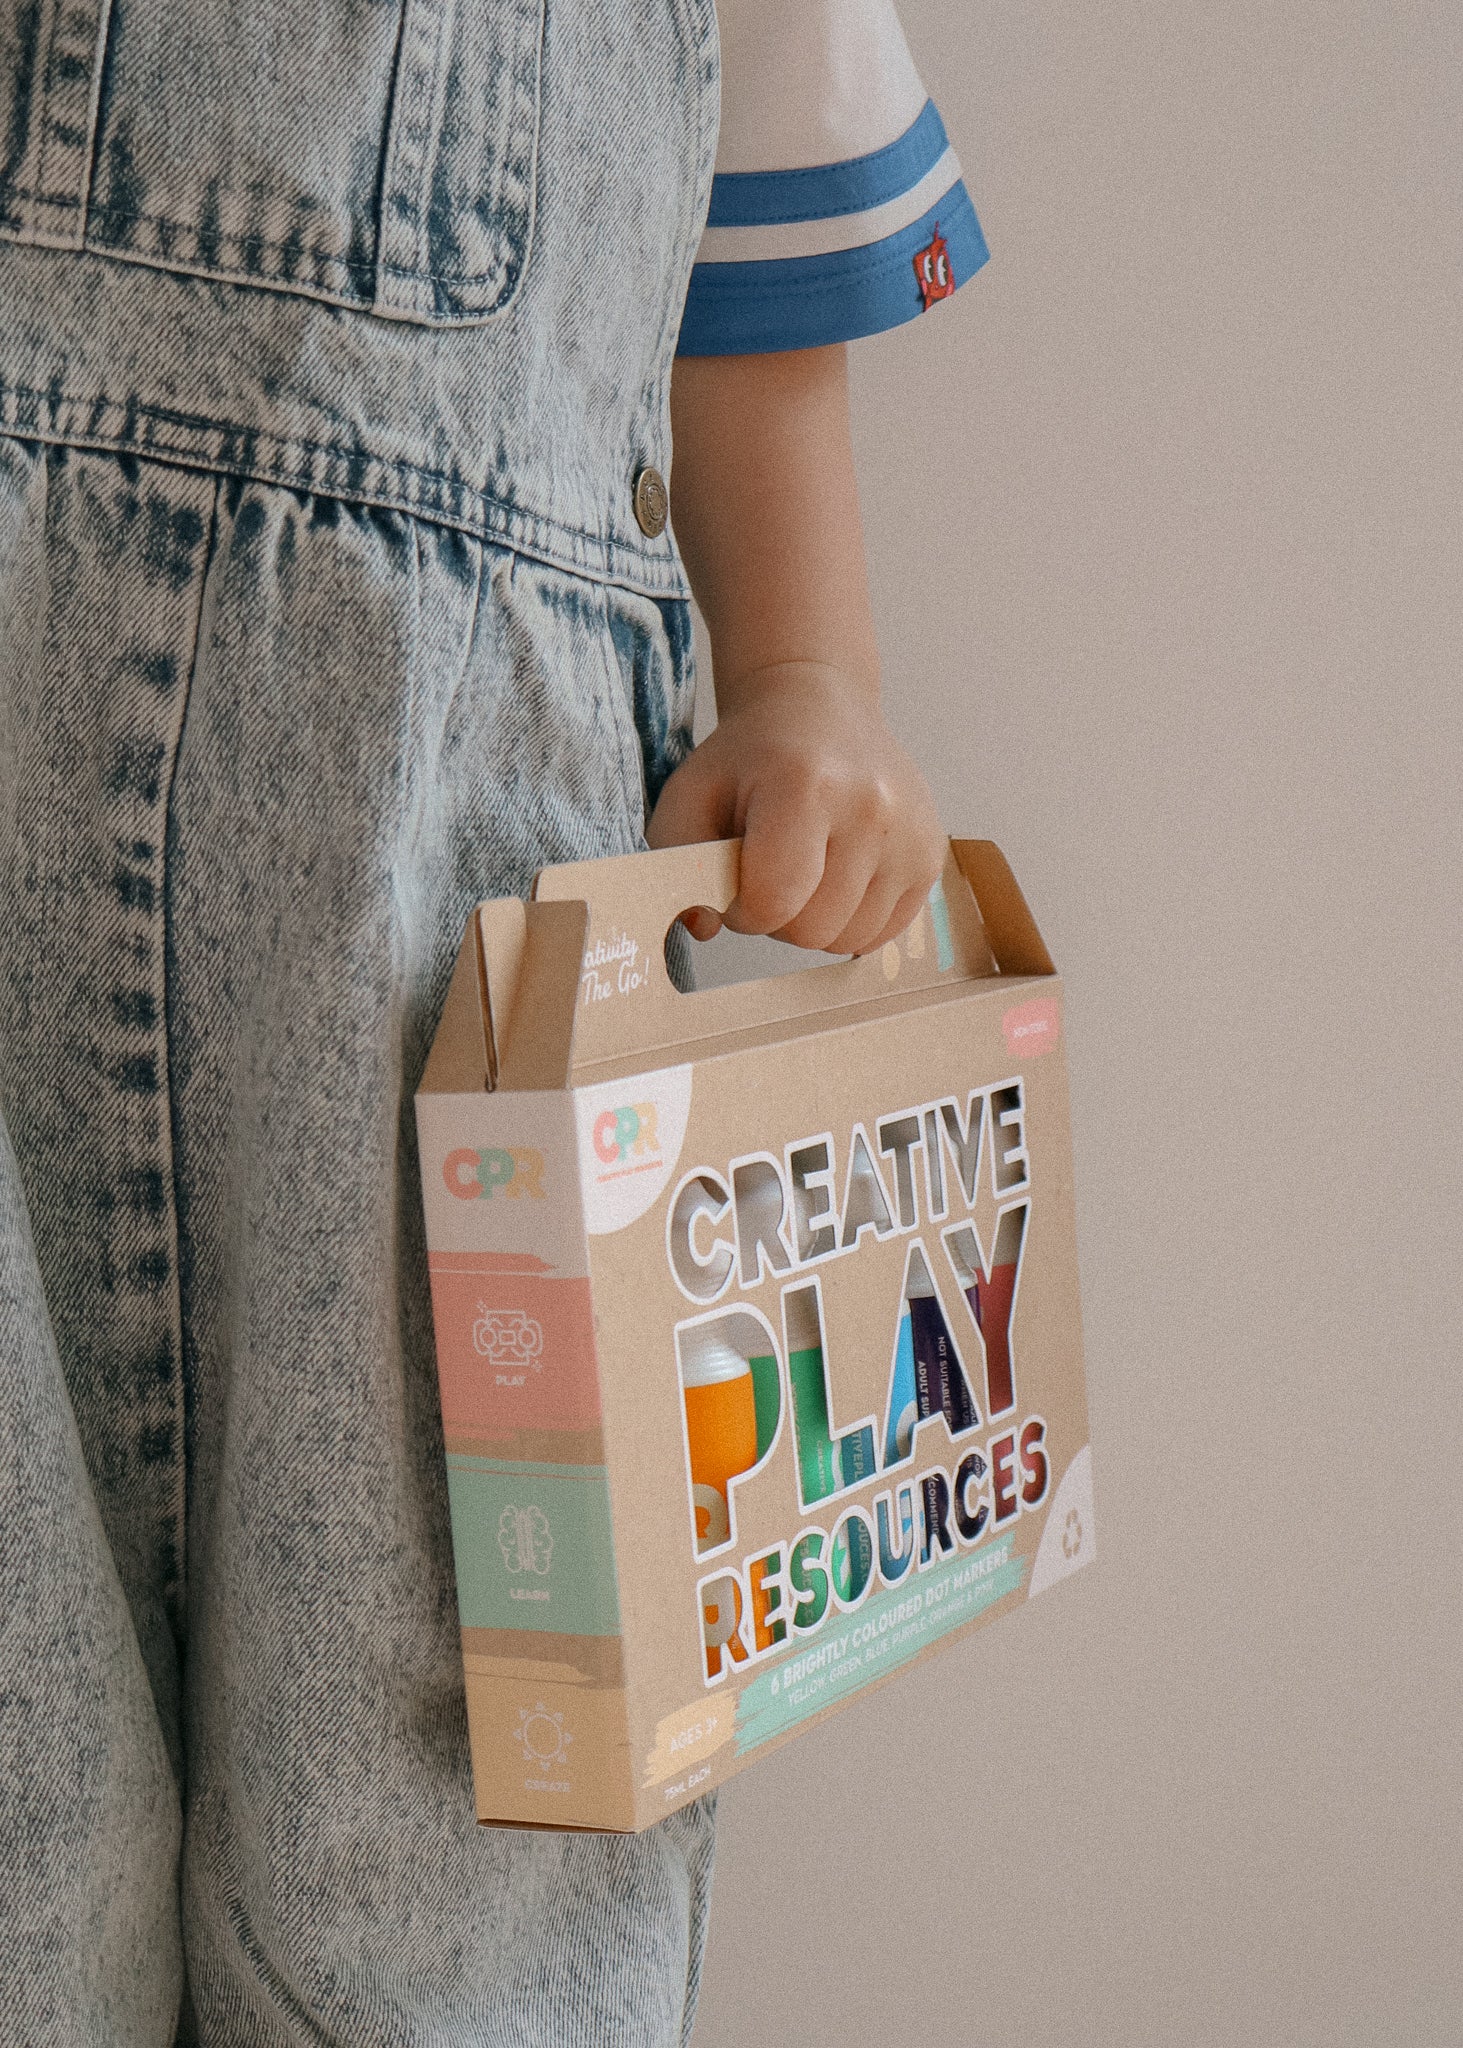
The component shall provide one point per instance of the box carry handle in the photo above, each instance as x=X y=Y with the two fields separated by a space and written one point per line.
x=647 y=890
x=627 y=1004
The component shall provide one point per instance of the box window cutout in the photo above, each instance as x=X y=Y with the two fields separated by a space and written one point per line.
x=989 y=1289
x=731 y=1408
x=829 y=1462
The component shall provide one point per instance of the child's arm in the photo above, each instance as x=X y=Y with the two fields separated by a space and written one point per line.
x=841 y=841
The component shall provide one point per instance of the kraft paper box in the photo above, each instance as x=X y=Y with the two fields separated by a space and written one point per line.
x=757 y=1324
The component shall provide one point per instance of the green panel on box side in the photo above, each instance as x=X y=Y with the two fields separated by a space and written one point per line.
x=533 y=1546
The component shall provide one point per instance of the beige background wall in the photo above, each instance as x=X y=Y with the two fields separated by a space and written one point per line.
x=1164 y=517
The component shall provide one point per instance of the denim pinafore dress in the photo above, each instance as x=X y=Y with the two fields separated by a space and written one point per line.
x=335 y=340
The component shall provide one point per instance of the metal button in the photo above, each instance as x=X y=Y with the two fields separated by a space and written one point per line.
x=652 y=502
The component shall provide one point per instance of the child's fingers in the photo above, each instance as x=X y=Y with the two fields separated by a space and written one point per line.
x=784 y=845
x=865 y=929
x=849 y=866
x=906 y=910
x=893 y=897
x=848 y=889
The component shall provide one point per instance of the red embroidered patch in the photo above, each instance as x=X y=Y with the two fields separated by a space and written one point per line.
x=932 y=268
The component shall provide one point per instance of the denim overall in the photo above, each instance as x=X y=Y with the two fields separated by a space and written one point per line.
x=333 y=340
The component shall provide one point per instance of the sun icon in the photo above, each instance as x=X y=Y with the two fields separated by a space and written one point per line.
x=542 y=1735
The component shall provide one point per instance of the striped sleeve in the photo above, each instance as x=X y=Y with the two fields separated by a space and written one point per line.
x=838 y=207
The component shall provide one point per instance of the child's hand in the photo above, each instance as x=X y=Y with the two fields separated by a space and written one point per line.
x=840 y=839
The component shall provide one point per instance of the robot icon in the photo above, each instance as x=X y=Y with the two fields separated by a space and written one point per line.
x=507 y=1337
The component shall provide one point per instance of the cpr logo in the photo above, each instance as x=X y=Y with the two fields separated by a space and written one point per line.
x=511 y=1171
x=626 y=1133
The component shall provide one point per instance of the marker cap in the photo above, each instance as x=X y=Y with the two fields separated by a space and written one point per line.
x=707 y=1360
x=921 y=1286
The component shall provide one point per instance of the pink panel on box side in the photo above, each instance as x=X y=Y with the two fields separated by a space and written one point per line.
x=514 y=1350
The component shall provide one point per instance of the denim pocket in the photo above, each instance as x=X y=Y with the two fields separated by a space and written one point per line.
x=381 y=154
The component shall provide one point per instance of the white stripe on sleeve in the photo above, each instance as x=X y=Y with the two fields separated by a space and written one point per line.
x=840 y=231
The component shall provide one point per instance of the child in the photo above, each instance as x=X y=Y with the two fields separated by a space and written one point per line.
x=336 y=593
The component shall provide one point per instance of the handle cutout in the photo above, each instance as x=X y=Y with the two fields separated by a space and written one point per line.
x=732 y=959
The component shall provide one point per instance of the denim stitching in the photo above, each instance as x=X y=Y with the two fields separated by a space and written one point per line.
x=424 y=755
x=13 y=230
x=622 y=718
x=601 y=557
x=185 y=1377
x=316 y=252
x=518 y=163
x=41 y=109
x=94 y=105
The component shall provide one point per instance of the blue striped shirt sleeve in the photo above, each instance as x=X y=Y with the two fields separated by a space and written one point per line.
x=829 y=252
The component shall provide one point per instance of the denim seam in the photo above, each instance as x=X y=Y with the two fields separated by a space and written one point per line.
x=469 y=641
x=185 y=1378
x=704 y=35
x=406 y=779
x=413 y=678
x=409 y=166
x=95 y=88
x=260 y=280
x=622 y=717
x=388 y=128
x=601 y=558
x=410 y=143
x=41 y=108
x=442 y=276
x=424 y=759
x=319 y=252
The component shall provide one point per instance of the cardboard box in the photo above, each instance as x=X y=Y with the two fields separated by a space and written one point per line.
x=757 y=1324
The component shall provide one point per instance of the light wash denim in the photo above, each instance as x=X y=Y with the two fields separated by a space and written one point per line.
x=332 y=339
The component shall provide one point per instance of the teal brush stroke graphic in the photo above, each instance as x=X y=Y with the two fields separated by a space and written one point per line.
x=886 y=1632
x=940 y=918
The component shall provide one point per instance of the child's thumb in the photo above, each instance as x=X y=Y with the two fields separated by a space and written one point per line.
x=694 y=806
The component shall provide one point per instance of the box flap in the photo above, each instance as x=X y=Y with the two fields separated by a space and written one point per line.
x=460 y=1059
x=1017 y=944
x=533 y=955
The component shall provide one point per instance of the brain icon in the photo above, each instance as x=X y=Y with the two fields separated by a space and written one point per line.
x=525 y=1539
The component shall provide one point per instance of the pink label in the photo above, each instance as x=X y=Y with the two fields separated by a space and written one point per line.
x=514 y=1350
x=1033 y=1027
